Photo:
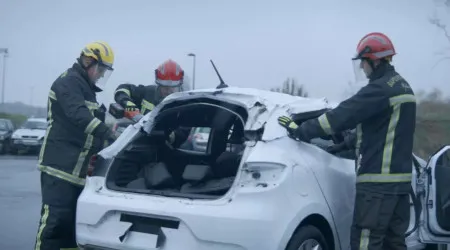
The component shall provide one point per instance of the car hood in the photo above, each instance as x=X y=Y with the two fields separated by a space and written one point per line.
x=29 y=132
x=3 y=132
x=264 y=107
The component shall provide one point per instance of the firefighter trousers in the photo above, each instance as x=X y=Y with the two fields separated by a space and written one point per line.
x=56 y=229
x=380 y=221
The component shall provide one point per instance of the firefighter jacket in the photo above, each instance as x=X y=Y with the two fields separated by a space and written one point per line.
x=146 y=98
x=384 y=114
x=76 y=127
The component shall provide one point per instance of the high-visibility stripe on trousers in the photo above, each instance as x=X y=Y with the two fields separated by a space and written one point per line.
x=380 y=221
x=56 y=228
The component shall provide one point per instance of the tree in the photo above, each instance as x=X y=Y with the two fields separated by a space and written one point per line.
x=439 y=23
x=291 y=87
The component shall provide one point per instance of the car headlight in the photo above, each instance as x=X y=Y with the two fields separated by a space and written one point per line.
x=15 y=136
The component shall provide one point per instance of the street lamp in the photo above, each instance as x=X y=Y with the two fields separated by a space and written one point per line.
x=193 y=73
x=4 y=51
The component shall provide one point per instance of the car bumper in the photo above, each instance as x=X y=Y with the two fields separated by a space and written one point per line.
x=26 y=144
x=246 y=221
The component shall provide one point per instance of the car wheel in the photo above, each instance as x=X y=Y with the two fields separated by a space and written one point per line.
x=307 y=238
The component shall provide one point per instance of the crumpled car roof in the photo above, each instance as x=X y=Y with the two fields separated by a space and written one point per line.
x=263 y=106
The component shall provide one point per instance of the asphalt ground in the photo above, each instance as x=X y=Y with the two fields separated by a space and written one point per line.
x=20 y=201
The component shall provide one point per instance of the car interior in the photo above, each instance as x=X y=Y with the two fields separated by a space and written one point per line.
x=442 y=177
x=150 y=164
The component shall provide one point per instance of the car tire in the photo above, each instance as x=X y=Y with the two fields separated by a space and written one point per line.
x=307 y=236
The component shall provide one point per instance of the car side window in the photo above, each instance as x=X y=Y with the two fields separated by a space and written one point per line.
x=198 y=140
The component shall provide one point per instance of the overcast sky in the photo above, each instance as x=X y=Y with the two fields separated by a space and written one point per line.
x=254 y=43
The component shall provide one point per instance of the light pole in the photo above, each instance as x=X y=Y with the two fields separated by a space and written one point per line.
x=5 y=54
x=193 y=73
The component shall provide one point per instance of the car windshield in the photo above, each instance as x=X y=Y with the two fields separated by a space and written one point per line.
x=3 y=125
x=35 y=125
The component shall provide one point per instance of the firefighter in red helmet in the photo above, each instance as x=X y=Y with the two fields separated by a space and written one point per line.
x=168 y=78
x=384 y=115
x=141 y=99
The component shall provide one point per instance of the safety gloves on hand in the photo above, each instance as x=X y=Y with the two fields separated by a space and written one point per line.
x=288 y=124
x=293 y=129
x=130 y=107
x=131 y=110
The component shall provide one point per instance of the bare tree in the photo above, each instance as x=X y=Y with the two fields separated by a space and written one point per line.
x=435 y=20
x=292 y=87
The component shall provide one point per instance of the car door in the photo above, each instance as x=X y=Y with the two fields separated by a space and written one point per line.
x=435 y=218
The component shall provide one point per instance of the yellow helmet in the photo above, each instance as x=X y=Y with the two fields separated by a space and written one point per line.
x=100 y=51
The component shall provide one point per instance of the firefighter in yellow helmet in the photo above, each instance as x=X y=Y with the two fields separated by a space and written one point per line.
x=75 y=132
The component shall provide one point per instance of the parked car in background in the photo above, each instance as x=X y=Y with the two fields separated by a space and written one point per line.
x=120 y=125
x=6 y=131
x=29 y=136
x=200 y=138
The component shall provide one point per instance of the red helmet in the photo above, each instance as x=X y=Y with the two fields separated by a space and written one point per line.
x=374 y=46
x=169 y=74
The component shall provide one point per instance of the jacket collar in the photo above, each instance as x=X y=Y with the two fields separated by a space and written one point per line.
x=83 y=73
x=380 y=71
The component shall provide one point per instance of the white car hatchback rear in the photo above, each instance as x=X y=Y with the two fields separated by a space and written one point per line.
x=270 y=193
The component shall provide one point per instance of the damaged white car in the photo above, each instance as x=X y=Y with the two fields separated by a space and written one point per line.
x=253 y=187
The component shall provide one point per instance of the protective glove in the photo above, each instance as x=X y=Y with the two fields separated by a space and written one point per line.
x=130 y=107
x=288 y=124
x=336 y=148
x=293 y=129
x=131 y=110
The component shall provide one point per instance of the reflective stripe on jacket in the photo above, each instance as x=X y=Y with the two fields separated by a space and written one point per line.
x=384 y=114
x=76 y=126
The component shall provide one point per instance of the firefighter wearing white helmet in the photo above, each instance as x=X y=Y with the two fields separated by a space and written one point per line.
x=75 y=132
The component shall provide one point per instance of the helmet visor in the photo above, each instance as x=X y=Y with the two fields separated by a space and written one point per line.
x=101 y=74
x=358 y=70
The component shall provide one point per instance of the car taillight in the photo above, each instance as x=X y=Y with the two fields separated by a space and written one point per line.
x=91 y=165
x=263 y=173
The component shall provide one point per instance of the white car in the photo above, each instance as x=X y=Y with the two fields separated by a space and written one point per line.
x=200 y=138
x=30 y=135
x=276 y=193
